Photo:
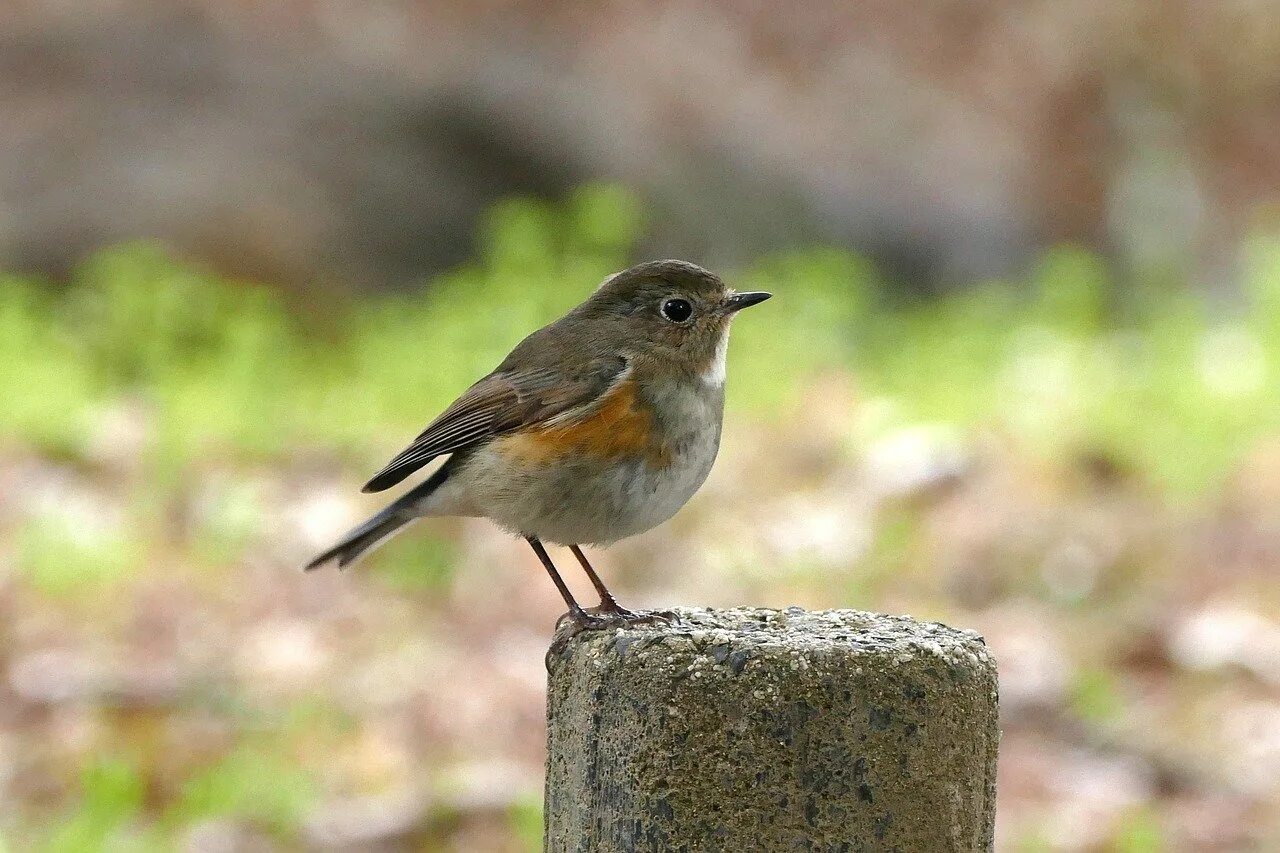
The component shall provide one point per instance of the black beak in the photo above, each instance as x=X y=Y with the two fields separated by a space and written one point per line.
x=738 y=301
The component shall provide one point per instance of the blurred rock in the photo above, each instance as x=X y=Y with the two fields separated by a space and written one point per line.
x=59 y=495
x=60 y=676
x=1228 y=634
x=55 y=676
x=468 y=791
x=258 y=149
x=1035 y=670
x=914 y=460
x=493 y=785
x=391 y=678
x=1212 y=822
x=360 y=822
x=119 y=435
x=286 y=654
x=225 y=836
x=1091 y=791
x=829 y=529
x=1071 y=569
x=1251 y=731
x=359 y=143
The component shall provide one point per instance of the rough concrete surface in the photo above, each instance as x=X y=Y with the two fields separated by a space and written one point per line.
x=763 y=730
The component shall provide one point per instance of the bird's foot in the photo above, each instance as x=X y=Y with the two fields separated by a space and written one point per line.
x=574 y=623
x=586 y=620
x=637 y=617
x=613 y=615
x=601 y=618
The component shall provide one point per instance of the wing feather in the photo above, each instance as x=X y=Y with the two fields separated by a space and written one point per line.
x=501 y=402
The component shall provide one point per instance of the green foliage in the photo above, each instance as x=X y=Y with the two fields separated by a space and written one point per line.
x=111 y=799
x=232 y=514
x=49 y=390
x=1033 y=843
x=251 y=784
x=823 y=299
x=63 y=557
x=1069 y=360
x=1096 y=697
x=1140 y=832
x=525 y=819
x=415 y=561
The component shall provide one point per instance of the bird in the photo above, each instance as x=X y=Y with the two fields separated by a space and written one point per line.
x=595 y=428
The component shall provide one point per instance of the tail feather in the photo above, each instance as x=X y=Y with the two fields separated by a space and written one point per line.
x=361 y=539
x=380 y=526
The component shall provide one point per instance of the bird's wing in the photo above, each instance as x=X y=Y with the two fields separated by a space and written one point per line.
x=501 y=402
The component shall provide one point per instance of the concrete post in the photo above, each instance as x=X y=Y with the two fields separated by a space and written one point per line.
x=763 y=730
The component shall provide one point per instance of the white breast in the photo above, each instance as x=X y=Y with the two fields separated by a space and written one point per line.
x=692 y=417
x=656 y=495
x=715 y=374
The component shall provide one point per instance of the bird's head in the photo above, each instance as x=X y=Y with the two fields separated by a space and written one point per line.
x=674 y=312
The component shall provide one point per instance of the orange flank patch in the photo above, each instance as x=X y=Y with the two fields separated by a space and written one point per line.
x=618 y=428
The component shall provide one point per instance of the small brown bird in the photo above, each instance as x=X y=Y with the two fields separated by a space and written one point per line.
x=595 y=428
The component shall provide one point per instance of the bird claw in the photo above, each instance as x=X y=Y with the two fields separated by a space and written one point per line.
x=604 y=616
x=585 y=620
x=576 y=622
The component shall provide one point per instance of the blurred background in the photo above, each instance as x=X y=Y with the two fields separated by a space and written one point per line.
x=1022 y=375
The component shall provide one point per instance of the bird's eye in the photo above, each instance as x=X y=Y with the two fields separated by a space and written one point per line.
x=677 y=310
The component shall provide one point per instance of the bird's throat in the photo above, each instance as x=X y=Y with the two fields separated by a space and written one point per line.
x=713 y=376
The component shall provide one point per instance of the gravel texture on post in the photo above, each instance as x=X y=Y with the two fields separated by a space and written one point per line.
x=762 y=730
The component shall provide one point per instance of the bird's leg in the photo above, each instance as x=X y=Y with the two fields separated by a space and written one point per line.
x=608 y=604
x=576 y=613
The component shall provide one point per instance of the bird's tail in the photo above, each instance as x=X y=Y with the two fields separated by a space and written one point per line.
x=376 y=529
x=362 y=538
